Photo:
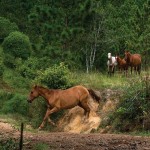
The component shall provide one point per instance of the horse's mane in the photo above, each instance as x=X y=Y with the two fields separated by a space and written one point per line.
x=41 y=87
x=46 y=88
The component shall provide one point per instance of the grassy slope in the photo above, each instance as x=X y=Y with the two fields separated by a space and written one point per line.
x=12 y=82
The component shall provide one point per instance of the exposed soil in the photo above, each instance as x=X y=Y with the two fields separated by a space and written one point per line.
x=75 y=141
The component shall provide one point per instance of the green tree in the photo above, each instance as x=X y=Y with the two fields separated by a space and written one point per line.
x=17 y=44
x=6 y=27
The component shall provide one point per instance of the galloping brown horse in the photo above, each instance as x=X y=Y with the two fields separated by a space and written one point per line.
x=134 y=61
x=122 y=64
x=63 y=99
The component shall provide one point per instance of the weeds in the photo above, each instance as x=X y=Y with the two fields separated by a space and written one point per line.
x=9 y=144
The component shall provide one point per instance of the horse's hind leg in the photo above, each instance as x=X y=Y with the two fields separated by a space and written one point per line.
x=86 y=108
x=50 y=121
x=139 y=69
x=48 y=112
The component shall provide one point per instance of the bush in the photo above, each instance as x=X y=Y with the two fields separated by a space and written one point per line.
x=4 y=96
x=16 y=104
x=7 y=144
x=17 y=45
x=56 y=77
x=27 y=69
x=1 y=69
x=41 y=146
x=15 y=80
x=133 y=109
x=9 y=61
x=6 y=27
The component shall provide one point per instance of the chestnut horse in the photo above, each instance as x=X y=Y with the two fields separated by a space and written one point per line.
x=134 y=61
x=122 y=64
x=63 y=99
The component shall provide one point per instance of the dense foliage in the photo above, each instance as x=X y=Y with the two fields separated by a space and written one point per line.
x=6 y=27
x=42 y=42
x=133 y=111
x=55 y=77
x=81 y=33
x=17 y=45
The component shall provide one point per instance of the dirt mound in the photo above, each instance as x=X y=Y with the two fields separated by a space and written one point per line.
x=74 y=122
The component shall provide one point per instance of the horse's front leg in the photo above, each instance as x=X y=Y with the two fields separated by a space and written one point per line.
x=108 y=69
x=113 y=69
x=48 y=112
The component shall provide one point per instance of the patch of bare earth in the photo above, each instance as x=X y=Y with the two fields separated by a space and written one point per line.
x=70 y=141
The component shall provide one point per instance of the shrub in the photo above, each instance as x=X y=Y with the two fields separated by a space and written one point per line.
x=15 y=80
x=4 y=96
x=9 y=61
x=6 y=27
x=6 y=144
x=17 y=44
x=133 y=109
x=41 y=146
x=17 y=104
x=56 y=77
x=1 y=69
x=28 y=68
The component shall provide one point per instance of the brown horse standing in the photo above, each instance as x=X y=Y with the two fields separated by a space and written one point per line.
x=63 y=99
x=134 y=61
x=122 y=64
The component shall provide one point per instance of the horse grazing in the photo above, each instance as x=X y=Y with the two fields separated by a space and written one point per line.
x=122 y=64
x=134 y=61
x=63 y=99
x=111 y=63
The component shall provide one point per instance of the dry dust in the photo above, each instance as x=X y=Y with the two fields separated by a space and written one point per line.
x=74 y=121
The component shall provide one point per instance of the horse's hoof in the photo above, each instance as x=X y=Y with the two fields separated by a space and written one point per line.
x=52 y=123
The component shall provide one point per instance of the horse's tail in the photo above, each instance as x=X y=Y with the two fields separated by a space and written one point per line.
x=94 y=95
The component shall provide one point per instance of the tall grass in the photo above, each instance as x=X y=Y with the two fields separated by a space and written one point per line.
x=98 y=80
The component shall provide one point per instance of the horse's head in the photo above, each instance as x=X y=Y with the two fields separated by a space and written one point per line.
x=109 y=56
x=33 y=94
x=117 y=58
x=127 y=56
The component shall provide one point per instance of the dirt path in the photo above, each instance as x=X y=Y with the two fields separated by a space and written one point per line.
x=70 y=141
x=65 y=141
